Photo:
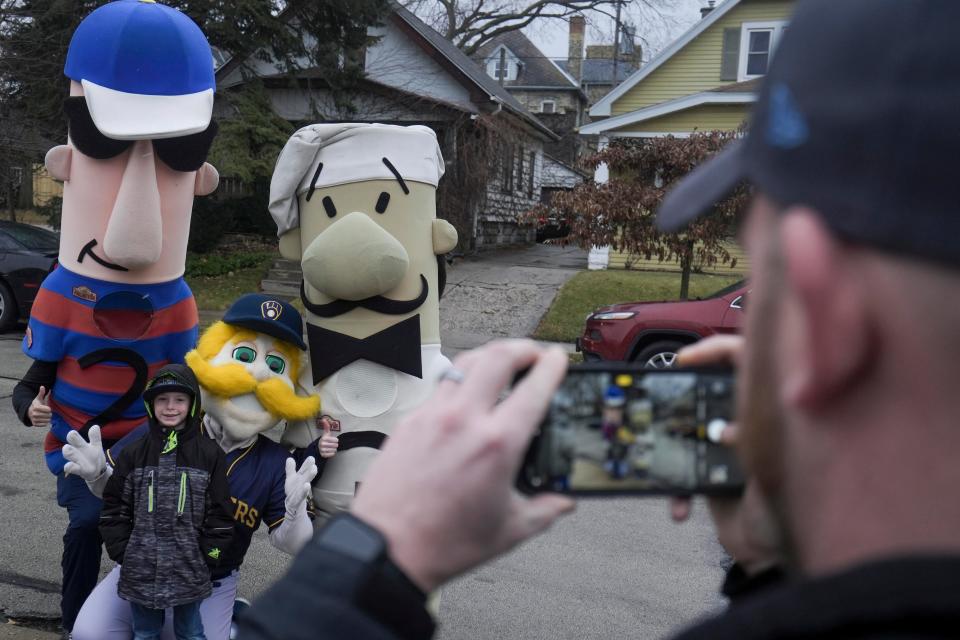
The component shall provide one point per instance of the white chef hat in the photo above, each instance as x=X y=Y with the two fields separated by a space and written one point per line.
x=326 y=155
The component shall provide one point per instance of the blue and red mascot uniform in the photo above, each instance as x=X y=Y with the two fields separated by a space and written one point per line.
x=95 y=344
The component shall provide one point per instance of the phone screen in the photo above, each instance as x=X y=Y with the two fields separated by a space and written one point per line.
x=623 y=429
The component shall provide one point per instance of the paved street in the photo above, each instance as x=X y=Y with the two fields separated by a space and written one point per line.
x=615 y=568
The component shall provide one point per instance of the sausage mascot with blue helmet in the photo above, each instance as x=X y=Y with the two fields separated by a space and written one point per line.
x=117 y=308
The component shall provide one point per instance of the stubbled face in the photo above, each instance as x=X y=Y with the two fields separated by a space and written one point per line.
x=352 y=251
x=171 y=409
x=133 y=207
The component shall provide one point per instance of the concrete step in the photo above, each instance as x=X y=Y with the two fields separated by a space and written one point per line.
x=290 y=265
x=280 y=288
x=286 y=275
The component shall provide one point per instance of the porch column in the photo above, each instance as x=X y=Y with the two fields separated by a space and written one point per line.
x=599 y=257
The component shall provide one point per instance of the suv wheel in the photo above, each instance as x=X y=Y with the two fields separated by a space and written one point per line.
x=659 y=355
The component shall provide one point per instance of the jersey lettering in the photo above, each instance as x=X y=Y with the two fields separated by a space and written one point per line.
x=245 y=514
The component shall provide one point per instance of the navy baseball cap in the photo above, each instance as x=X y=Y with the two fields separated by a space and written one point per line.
x=146 y=71
x=269 y=315
x=858 y=119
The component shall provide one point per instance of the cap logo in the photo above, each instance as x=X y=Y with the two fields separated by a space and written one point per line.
x=271 y=310
x=786 y=126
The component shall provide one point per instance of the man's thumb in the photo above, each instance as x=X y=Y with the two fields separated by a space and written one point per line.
x=42 y=395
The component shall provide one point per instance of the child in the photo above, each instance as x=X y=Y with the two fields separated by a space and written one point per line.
x=166 y=515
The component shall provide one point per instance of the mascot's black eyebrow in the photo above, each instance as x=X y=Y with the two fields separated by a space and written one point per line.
x=313 y=182
x=396 y=174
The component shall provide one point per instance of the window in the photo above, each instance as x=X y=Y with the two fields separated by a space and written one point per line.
x=548 y=106
x=506 y=159
x=503 y=64
x=758 y=41
x=533 y=166
x=519 y=168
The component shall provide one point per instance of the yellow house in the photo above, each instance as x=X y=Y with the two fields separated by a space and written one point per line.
x=705 y=80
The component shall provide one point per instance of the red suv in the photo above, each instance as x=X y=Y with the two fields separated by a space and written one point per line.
x=652 y=332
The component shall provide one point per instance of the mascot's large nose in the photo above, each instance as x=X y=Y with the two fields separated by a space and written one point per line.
x=355 y=258
x=134 y=236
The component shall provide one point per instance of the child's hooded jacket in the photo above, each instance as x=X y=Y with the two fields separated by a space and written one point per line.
x=166 y=514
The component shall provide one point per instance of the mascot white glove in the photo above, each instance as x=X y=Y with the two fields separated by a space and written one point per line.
x=85 y=459
x=297 y=485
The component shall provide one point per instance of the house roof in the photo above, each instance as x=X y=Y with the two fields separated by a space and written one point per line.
x=600 y=70
x=456 y=59
x=740 y=93
x=536 y=71
x=470 y=70
x=602 y=107
x=568 y=170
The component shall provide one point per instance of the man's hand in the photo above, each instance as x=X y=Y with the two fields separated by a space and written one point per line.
x=745 y=526
x=84 y=459
x=329 y=443
x=39 y=411
x=296 y=487
x=442 y=490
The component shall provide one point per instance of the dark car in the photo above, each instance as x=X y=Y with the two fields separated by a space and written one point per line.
x=27 y=255
x=652 y=332
x=551 y=227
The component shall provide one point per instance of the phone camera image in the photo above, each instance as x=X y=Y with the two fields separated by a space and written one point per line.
x=636 y=431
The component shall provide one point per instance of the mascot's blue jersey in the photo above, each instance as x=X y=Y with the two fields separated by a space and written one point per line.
x=107 y=339
x=256 y=475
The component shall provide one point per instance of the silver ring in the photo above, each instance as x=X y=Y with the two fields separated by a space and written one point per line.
x=452 y=374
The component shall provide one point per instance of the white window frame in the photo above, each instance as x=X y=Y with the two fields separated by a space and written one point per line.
x=543 y=104
x=776 y=29
x=512 y=62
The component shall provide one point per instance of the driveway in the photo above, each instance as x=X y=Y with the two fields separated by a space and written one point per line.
x=503 y=294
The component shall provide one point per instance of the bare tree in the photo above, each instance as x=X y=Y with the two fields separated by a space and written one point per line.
x=471 y=23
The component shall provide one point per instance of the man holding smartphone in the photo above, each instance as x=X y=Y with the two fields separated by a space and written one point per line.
x=847 y=414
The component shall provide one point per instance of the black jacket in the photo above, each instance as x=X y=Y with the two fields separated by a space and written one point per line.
x=916 y=598
x=167 y=517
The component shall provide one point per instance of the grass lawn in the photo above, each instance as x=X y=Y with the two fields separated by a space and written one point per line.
x=588 y=290
x=217 y=292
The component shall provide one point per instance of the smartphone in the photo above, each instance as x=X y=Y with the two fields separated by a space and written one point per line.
x=617 y=428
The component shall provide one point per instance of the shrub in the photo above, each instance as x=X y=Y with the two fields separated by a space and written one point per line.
x=216 y=264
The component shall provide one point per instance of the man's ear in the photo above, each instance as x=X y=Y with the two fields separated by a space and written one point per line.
x=207 y=180
x=58 y=161
x=444 y=237
x=828 y=320
x=290 y=248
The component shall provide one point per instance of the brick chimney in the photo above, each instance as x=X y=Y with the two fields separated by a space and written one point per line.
x=707 y=9
x=578 y=26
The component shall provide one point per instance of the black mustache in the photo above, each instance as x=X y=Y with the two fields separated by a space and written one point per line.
x=378 y=304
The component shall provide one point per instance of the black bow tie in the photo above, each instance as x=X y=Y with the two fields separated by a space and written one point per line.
x=397 y=347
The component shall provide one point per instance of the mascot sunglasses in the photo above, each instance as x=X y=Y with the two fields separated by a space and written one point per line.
x=184 y=153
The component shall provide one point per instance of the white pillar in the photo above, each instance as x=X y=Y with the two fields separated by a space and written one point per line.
x=599 y=257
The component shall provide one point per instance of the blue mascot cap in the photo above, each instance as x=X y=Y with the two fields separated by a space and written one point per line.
x=146 y=71
x=266 y=314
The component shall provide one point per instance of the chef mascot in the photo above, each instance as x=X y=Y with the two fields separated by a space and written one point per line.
x=117 y=308
x=247 y=366
x=355 y=204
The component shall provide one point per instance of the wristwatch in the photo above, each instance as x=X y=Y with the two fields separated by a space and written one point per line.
x=348 y=535
x=361 y=570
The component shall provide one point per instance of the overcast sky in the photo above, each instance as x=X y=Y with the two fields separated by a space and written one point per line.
x=656 y=27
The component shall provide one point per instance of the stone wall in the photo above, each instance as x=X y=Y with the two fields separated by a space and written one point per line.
x=497 y=222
